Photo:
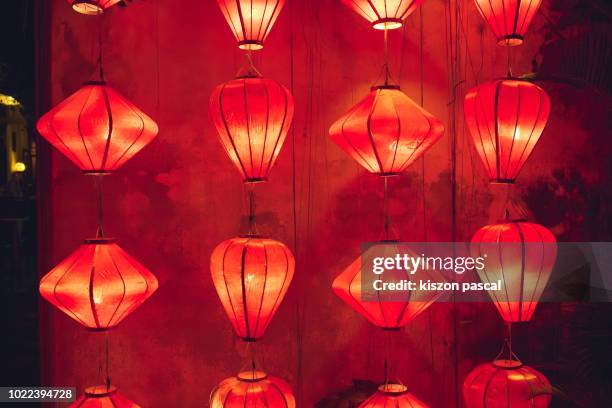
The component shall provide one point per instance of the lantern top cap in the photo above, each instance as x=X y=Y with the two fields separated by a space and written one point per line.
x=393 y=389
x=97 y=82
x=385 y=86
x=252 y=376
x=99 y=241
x=100 y=391
x=507 y=364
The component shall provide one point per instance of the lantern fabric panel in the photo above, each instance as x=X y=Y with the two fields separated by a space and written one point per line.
x=522 y=255
x=251 y=276
x=509 y=19
x=251 y=20
x=98 y=285
x=97 y=128
x=392 y=395
x=506 y=118
x=384 y=14
x=506 y=384
x=252 y=389
x=252 y=116
x=92 y=7
x=386 y=131
x=101 y=396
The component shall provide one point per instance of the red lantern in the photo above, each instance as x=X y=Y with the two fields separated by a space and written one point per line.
x=98 y=285
x=252 y=116
x=506 y=384
x=384 y=14
x=509 y=19
x=252 y=389
x=101 y=396
x=251 y=275
x=506 y=118
x=520 y=254
x=392 y=395
x=386 y=131
x=92 y=7
x=97 y=128
x=387 y=312
x=251 y=20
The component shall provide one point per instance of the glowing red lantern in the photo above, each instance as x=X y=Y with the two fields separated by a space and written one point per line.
x=252 y=389
x=506 y=384
x=101 y=396
x=92 y=7
x=252 y=116
x=384 y=14
x=386 y=131
x=520 y=254
x=392 y=395
x=387 y=312
x=506 y=118
x=509 y=19
x=251 y=20
x=251 y=275
x=97 y=128
x=98 y=285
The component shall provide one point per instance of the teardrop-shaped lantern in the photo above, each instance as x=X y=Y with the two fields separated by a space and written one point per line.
x=98 y=285
x=386 y=131
x=252 y=389
x=92 y=7
x=102 y=396
x=251 y=20
x=252 y=116
x=506 y=118
x=520 y=254
x=506 y=384
x=392 y=395
x=388 y=312
x=251 y=275
x=384 y=14
x=509 y=19
x=97 y=128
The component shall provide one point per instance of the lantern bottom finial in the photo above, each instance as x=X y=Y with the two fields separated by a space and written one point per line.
x=87 y=8
x=387 y=24
x=510 y=40
x=250 y=45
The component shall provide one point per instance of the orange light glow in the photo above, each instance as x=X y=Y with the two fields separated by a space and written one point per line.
x=509 y=19
x=92 y=7
x=19 y=167
x=101 y=396
x=384 y=14
x=252 y=389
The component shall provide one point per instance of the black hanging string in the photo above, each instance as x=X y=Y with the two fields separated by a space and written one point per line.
x=387 y=211
x=509 y=48
x=107 y=348
x=98 y=178
x=252 y=229
x=386 y=48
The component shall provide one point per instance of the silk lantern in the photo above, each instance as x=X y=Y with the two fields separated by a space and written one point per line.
x=102 y=396
x=506 y=384
x=384 y=14
x=509 y=19
x=392 y=395
x=386 y=131
x=92 y=7
x=506 y=118
x=520 y=254
x=251 y=20
x=251 y=275
x=252 y=116
x=388 y=312
x=97 y=128
x=252 y=389
x=98 y=285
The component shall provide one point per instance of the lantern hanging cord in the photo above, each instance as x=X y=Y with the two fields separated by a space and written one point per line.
x=98 y=183
x=386 y=204
x=107 y=354
x=386 y=61
x=251 y=69
x=509 y=61
x=251 y=217
x=100 y=64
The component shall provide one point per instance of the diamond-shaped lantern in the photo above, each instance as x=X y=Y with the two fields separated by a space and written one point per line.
x=98 y=285
x=102 y=396
x=392 y=395
x=252 y=389
x=384 y=14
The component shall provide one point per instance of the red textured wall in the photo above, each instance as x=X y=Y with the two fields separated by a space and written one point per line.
x=181 y=196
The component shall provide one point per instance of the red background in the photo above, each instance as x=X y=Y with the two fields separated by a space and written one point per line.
x=181 y=196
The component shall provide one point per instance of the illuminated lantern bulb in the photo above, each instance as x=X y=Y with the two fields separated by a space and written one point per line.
x=509 y=19
x=253 y=389
x=386 y=131
x=389 y=311
x=97 y=128
x=251 y=275
x=520 y=254
x=98 y=285
x=506 y=384
x=92 y=7
x=506 y=118
x=384 y=14
x=252 y=116
x=101 y=396
x=392 y=395
x=251 y=20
